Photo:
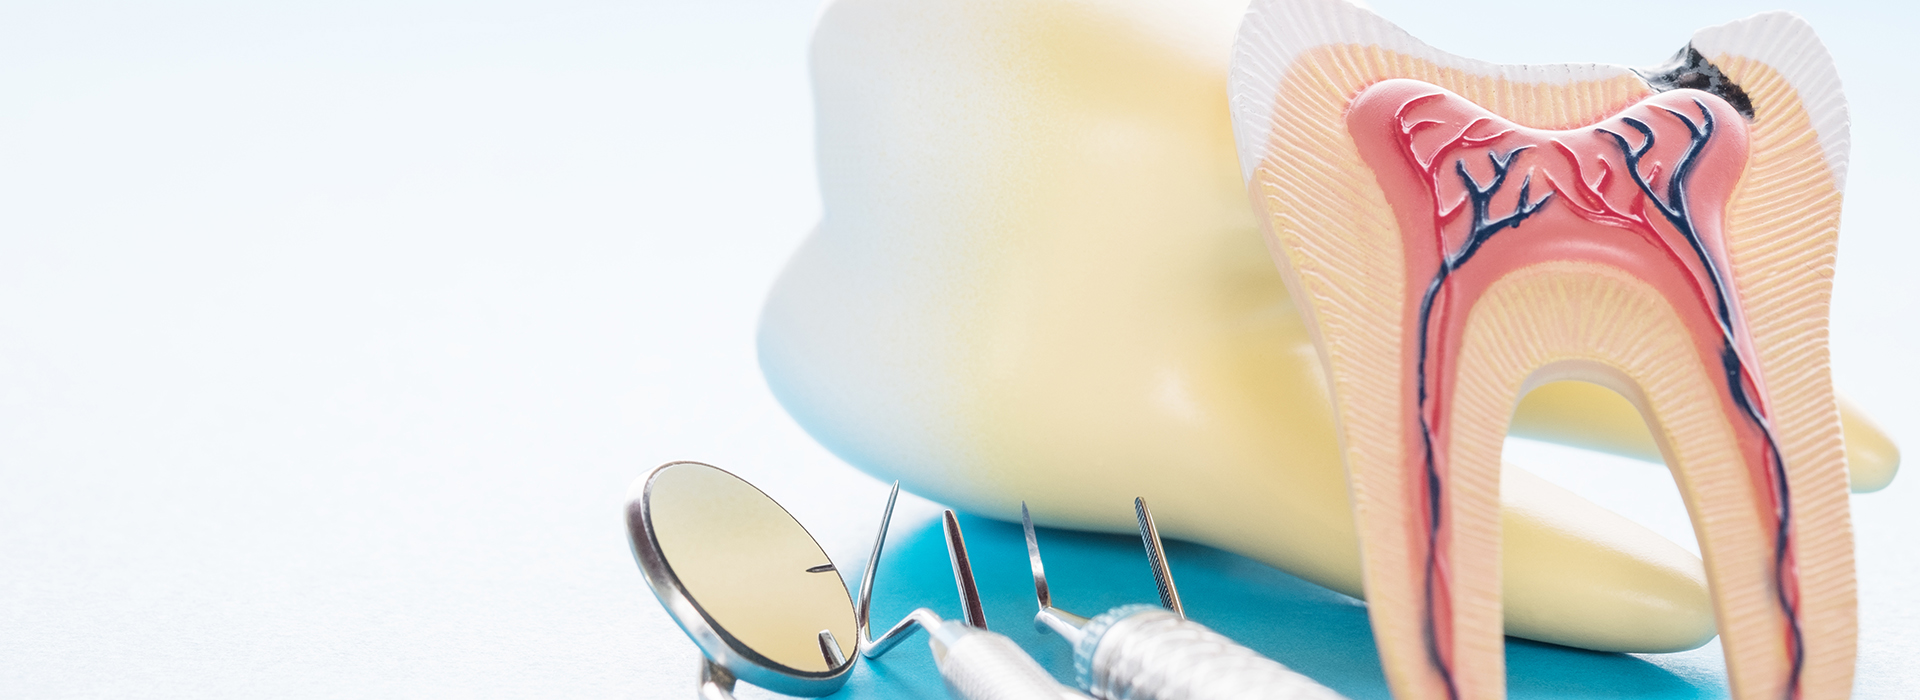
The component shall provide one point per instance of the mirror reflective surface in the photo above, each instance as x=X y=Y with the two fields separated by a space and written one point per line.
x=743 y=578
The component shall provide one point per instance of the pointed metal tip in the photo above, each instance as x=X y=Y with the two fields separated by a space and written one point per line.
x=862 y=610
x=830 y=649
x=963 y=573
x=1040 y=591
x=1157 y=558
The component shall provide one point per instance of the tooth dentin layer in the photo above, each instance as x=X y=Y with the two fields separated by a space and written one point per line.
x=1458 y=233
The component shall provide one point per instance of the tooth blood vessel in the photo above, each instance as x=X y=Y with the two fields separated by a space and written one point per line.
x=1478 y=197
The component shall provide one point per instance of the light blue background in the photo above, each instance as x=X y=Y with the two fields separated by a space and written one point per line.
x=331 y=334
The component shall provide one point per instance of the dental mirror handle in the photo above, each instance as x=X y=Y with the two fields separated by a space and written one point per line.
x=1148 y=653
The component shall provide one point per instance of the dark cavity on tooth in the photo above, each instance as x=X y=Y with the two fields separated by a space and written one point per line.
x=1690 y=70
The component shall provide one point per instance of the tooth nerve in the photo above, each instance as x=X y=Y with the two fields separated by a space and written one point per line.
x=1482 y=230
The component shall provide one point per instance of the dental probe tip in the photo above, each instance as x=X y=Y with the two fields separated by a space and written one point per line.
x=963 y=573
x=862 y=611
x=1033 y=558
x=1048 y=618
x=830 y=649
x=1157 y=558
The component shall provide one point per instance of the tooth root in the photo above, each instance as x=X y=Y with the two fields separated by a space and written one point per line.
x=1782 y=226
x=1303 y=72
x=1513 y=337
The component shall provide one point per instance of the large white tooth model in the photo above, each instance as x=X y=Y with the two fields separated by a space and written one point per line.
x=1038 y=277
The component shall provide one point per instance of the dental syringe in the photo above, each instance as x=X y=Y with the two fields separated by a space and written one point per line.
x=1140 y=652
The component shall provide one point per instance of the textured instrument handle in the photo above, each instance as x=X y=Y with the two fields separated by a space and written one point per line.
x=1152 y=654
x=982 y=665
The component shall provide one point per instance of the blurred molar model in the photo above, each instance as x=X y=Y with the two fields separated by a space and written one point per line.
x=1038 y=277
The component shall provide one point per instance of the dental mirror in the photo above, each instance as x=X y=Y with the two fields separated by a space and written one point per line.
x=744 y=579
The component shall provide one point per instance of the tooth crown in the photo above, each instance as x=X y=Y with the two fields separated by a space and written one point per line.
x=1458 y=232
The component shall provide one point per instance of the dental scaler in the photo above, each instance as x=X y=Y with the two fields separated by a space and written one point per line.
x=1140 y=652
x=975 y=663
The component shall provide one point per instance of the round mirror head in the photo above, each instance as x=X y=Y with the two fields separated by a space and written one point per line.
x=743 y=578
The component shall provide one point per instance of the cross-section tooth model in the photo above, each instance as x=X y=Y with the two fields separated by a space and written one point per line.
x=1038 y=277
x=1460 y=232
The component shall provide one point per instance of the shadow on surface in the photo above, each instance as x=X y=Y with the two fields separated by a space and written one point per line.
x=1315 y=631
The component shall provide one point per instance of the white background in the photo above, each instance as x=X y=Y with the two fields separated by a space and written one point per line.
x=331 y=333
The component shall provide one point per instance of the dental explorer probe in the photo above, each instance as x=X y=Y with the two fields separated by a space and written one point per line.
x=975 y=663
x=1139 y=652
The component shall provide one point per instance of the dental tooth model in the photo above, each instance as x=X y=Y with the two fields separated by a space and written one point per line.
x=1038 y=276
x=1458 y=232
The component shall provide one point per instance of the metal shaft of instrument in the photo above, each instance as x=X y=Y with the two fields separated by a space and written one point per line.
x=1157 y=558
x=1061 y=622
x=1033 y=559
x=919 y=618
x=970 y=607
x=830 y=649
x=862 y=609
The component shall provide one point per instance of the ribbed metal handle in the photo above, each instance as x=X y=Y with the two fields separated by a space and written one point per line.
x=982 y=665
x=1152 y=654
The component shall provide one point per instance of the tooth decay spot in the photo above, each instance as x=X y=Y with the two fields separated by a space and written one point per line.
x=1650 y=203
x=1689 y=69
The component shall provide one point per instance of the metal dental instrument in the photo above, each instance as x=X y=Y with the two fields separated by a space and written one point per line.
x=1139 y=652
x=976 y=664
x=743 y=578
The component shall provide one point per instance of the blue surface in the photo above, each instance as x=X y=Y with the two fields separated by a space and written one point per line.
x=1310 y=629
